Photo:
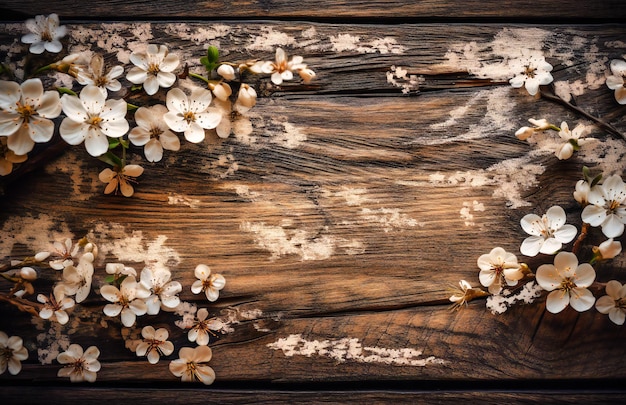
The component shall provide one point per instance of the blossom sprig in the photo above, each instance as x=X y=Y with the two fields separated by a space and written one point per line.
x=570 y=140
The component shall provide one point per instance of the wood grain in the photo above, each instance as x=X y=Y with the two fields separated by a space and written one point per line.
x=341 y=220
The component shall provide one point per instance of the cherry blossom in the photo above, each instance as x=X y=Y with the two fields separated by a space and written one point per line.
x=127 y=300
x=163 y=291
x=567 y=282
x=191 y=367
x=282 y=69
x=95 y=75
x=607 y=206
x=25 y=113
x=572 y=140
x=548 y=232
x=91 y=119
x=614 y=302
x=154 y=344
x=496 y=267
x=55 y=305
x=153 y=68
x=191 y=114
x=45 y=34
x=531 y=71
x=617 y=80
x=12 y=353
x=79 y=365
x=153 y=133
x=211 y=284
x=120 y=179
x=202 y=327
x=77 y=279
x=538 y=125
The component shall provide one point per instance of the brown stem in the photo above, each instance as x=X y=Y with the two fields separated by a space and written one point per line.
x=583 y=234
x=602 y=124
x=23 y=305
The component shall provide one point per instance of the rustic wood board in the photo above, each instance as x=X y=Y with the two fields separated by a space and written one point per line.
x=342 y=220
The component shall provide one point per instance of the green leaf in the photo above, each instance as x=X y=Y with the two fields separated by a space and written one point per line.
x=109 y=279
x=213 y=54
x=65 y=90
x=111 y=159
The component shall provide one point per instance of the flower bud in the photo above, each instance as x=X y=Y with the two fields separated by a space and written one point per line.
x=246 y=98
x=306 y=74
x=609 y=249
x=222 y=91
x=226 y=71
x=41 y=256
x=582 y=192
x=28 y=274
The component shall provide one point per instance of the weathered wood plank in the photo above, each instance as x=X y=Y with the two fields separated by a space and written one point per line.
x=517 y=9
x=342 y=219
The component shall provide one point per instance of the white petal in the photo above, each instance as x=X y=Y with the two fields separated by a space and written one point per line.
x=594 y=215
x=532 y=245
x=557 y=301
x=581 y=299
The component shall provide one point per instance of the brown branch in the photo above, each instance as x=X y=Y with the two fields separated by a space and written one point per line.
x=23 y=305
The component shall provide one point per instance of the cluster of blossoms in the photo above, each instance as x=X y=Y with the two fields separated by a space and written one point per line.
x=101 y=122
x=128 y=297
x=566 y=280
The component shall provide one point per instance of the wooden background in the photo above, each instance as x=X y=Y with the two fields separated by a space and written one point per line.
x=345 y=216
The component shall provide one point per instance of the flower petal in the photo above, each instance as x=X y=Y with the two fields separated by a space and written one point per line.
x=557 y=301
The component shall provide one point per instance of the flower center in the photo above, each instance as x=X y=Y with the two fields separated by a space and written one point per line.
x=94 y=122
x=543 y=227
x=79 y=366
x=26 y=111
x=189 y=117
x=613 y=206
x=282 y=66
x=530 y=71
x=6 y=353
x=567 y=284
x=46 y=35
x=100 y=81
x=620 y=303
x=155 y=132
x=154 y=68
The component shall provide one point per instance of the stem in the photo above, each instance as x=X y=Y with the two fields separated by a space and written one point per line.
x=604 y=125
x=199 y=77
x=583 y=234
x=22 y=304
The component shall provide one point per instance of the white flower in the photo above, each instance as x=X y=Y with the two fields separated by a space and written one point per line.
x=608 y=249
x=12 y=353
x=567 y=282
x=55 y=305
x=232 y=120
x=617 y=81
x=45 y=33
x=77 y=279
x=95 y=75
x=531 y=72
x=548 y=232
x=538 y=125
x=572 y=140
x=190 y=365
x=191 y=115
x=24 y=114
x=163 y=291
x=153 y=132
x=120 y=269
x=498 y=266
x=607 y=207
x=91 y=118
x=153 y=68
x=211 y=284
x=78 y=365
x=281 y=69
x=8 y=157
x=120 y=179
x=127 y=300
x=64 y=253
x=154 y=344
x=614 y=303
x=201 y=328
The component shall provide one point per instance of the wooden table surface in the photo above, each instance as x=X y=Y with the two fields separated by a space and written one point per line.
x=342 y=220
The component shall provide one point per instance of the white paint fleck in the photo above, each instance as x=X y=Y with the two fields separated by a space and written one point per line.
x=269 y=39
x=132 y=247
x=353 y=196
x=178 y=199
x=51 y=341
x=243 y=190
x=275 y=130
x=388 y=218
x=498 y=304
x=468 y=208
x=306 y=244
x=36 y=233
x=354 y=43
x=351 y=349
x=399 y=77
x=187 y=312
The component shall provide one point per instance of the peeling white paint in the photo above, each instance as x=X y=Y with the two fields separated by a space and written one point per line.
x=388 y=218
x=306 y=244
x=275 y=130
x=399 y=77
x=498 y=304
x=354 y=43
x=51 y=341
x=468 y=208
x=131 y=246
x=269 y=39
x=351 y=349
x=179 y=199
x=36 y=233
